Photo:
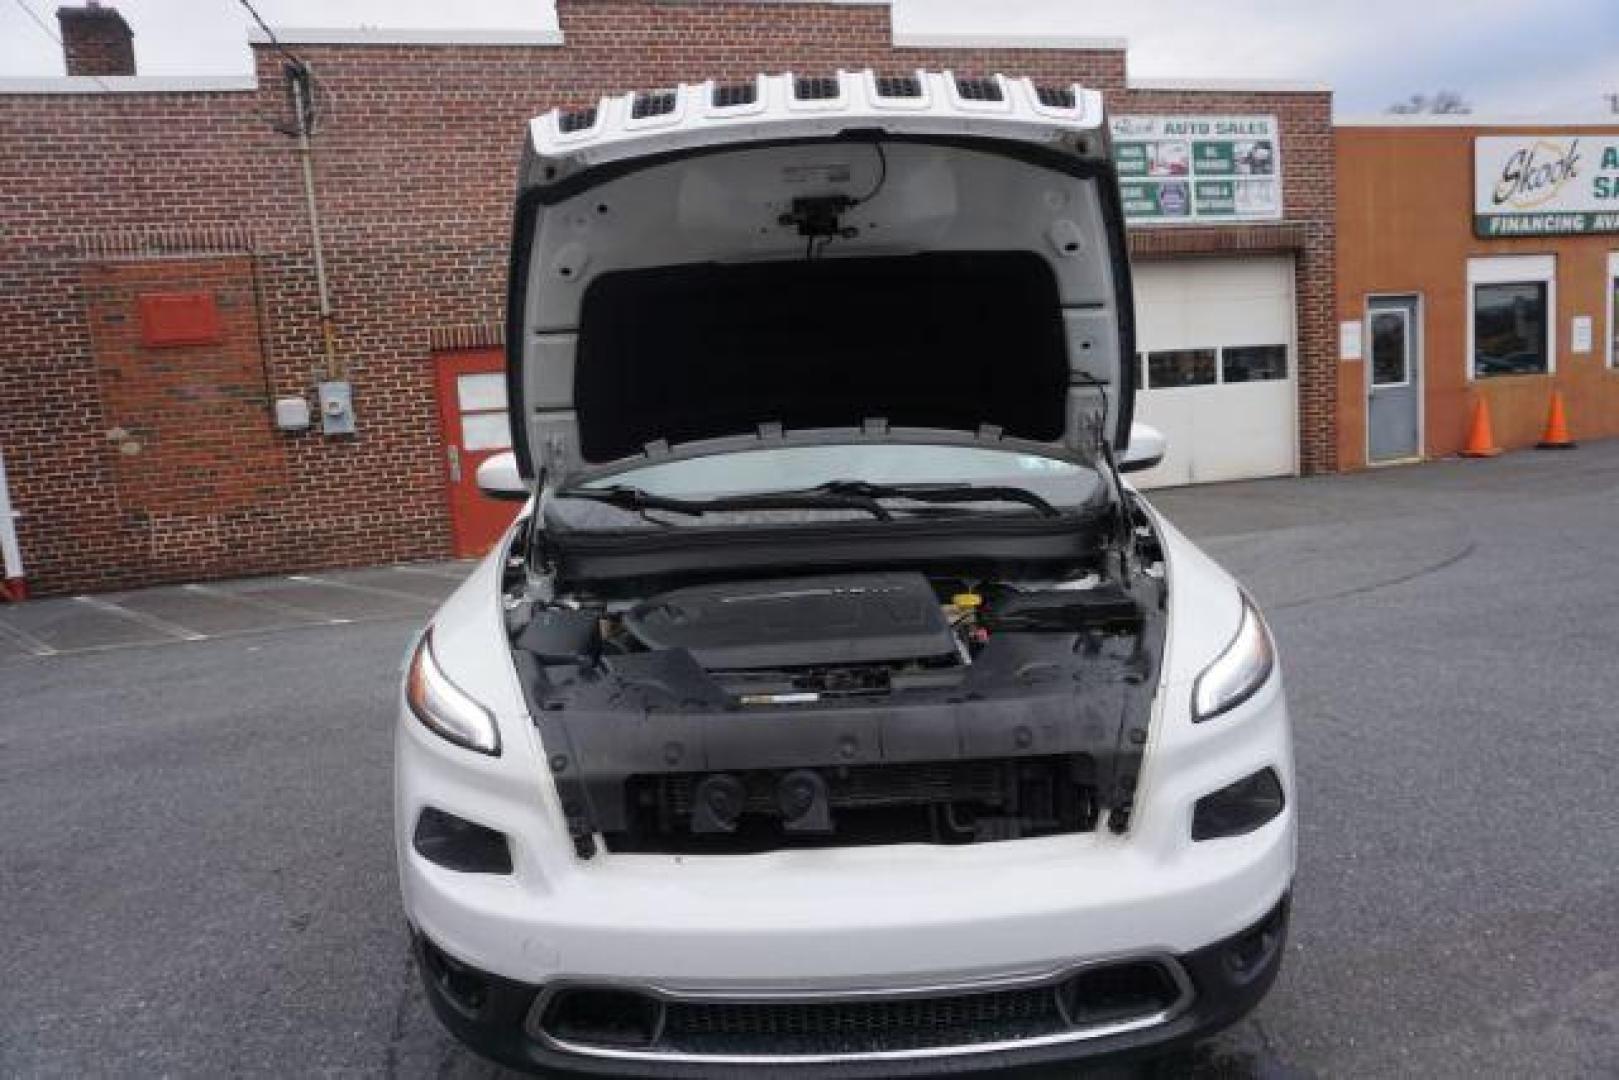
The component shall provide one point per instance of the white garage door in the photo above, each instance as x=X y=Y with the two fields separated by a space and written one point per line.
x=1215 y=345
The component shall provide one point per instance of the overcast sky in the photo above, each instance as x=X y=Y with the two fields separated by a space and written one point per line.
x=1518 y=57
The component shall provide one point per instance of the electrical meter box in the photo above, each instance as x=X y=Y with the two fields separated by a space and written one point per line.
x=337 y=408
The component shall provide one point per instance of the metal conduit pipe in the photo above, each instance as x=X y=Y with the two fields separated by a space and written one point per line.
x=302 y=100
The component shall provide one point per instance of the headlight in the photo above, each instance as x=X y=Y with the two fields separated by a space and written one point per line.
x=1239 y=671
x=444 y=707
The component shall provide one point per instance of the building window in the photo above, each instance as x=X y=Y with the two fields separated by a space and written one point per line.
x=1512 y=302
x=1168 y=368
x=1253 y=363
x=484 y=423
x=1613 y=308
x=1391 y=347
x=1509 y=329
x=1181 y=367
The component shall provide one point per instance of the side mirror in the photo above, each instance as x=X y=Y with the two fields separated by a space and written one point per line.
x=1147 y=448
x=498 y=478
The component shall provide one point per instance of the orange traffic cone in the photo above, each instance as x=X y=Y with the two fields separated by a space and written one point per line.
x=1556 y=437
x=1480 y=440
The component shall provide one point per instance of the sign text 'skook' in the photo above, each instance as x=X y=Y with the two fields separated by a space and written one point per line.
x=1545 y=185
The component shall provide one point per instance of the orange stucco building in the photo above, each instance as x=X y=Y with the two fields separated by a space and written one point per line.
x=1475 y=261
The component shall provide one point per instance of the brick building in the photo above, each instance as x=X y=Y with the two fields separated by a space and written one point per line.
x=158 y=289
x=1487 y=277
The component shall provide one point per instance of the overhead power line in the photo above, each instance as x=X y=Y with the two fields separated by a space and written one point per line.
x=315 y=112
x=45 y=28
x=275 y=42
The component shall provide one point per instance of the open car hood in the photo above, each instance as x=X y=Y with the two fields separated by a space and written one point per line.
x=791 y=260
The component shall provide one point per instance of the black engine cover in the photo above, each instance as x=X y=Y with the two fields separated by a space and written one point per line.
x=798 y=622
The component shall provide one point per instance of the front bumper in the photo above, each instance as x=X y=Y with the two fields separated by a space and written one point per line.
x=1220 y=984
x=874 y=921
x=905 y=914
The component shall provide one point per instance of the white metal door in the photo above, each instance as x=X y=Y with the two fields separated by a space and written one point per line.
x=1216 y=347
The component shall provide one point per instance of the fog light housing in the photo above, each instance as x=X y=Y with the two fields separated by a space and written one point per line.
x=1238 y=808
x=457 y=844
x=463 y=987
x=1252 y=953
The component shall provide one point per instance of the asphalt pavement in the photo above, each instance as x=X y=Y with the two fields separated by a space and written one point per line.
x=196 y=867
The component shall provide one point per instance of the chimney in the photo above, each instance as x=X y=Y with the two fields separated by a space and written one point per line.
x=96 y=40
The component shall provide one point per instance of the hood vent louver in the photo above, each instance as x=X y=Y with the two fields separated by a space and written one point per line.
x=733 y=94
x=656 y=103
x=978 y=89
x=695 y=114
x=576 y=120
x=815 y=87
x=899 y=86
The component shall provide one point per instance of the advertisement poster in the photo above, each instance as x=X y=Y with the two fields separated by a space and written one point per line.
x=1545 y=185
x=1198 y=168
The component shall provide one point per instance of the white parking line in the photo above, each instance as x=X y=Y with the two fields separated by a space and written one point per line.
x=375 y=590
x=151 y=622
x=429 y=571
x=26 y=640
x=275 y=607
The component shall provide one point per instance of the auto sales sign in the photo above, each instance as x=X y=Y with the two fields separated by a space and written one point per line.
x=1545 y=185
x=1216 y=169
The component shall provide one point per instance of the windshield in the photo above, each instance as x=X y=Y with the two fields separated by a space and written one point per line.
x=794 y=468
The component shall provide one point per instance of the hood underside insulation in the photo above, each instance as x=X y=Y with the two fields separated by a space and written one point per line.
x=959 y=340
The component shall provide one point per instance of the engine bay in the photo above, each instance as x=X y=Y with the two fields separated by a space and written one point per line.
x=728 y=714
x=847 y=620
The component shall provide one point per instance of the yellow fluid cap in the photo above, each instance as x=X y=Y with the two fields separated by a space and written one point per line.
x=967 y=600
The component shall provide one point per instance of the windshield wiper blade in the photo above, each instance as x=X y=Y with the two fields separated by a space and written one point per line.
x=834 y=495
x=633 y=498
x=939 y=493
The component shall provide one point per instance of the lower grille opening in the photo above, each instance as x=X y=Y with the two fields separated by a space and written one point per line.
x=860 y=1026
x=620 y=1018
x=1118 y=992
x=1093 y=1002
x=953 y=802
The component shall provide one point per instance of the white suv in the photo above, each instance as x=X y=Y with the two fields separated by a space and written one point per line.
x=833 y=706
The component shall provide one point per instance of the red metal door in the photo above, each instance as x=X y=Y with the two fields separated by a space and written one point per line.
x=472 y=415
